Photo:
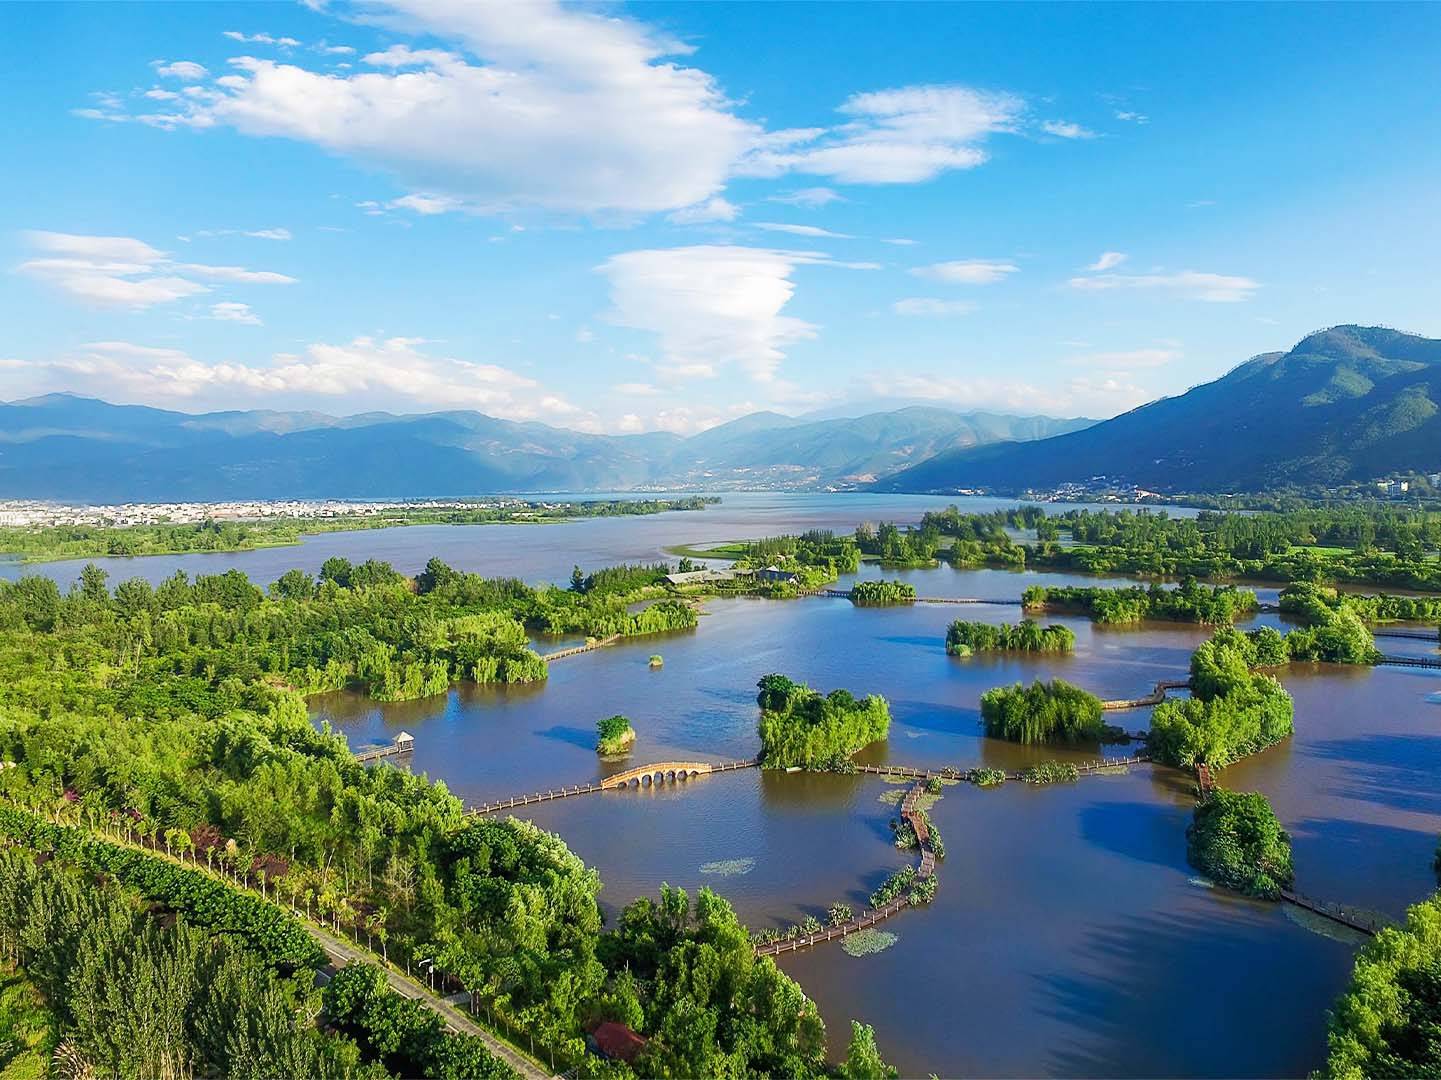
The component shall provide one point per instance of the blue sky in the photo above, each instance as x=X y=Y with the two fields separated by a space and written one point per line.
x=663 y=216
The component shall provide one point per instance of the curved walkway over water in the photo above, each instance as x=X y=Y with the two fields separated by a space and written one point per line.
x=867 y=919
x=643 y=776
x=1155 y=697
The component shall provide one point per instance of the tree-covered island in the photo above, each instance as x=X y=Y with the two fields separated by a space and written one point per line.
x=964 y=638
x=1043 y=712
x=804 y=728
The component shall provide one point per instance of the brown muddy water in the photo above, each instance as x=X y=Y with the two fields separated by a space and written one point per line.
x=1068 y=937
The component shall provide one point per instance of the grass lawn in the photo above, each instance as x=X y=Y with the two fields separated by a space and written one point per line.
x=27 y=1034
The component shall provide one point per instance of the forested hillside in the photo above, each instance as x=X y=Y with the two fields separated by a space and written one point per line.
x=1346 y=404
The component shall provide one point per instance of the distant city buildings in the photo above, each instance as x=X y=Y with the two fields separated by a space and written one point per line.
x=34 y=512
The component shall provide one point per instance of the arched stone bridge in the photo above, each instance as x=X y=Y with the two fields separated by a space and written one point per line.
x=668 y=772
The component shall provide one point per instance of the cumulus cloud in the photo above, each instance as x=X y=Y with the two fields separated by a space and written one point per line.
x=711 y=305
x=486 y=125
x=1131 y=117
x=232 y=311
x=1108 y=260
x=967 y=271
x=122 y=271
x=1186 y=285
x=365 y=371
x=927 y=305
x=896 y=136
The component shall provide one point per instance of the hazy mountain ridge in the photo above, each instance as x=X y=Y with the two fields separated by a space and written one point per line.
x=67 y=447
x=1346 y=404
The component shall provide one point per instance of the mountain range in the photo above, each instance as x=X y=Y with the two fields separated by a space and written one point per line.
x=74 y=448
x=1346 y=404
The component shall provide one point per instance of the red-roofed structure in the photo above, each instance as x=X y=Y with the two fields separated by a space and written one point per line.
x=617 y=1042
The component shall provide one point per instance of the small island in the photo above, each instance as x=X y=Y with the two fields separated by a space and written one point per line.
x=964 y=638
x=879 y=593
x=1236 y=840
x=1042 y=712
x=614 y=735
x=1190 y=602
x=803 y=728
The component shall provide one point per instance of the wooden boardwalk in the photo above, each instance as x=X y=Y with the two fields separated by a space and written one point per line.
x=375 y=753
x=869 y=918
x=644 y=776
x=1155 y=697
x=576 y=650
x=908 y=772
x=1363 y=922
x=1410 y=661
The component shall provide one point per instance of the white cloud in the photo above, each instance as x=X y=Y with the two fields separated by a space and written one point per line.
x=711 y=305
x=1108 y=260
x=584 y=336
x=898 y=136
x=967 y=271
x=1132 y=117
x=802 y=230
x=236 y=273
x=1064 y=129
x=231 y=311
x=269 y=234
x=899 y=241
x=365 y=372
x=713 y=209
x=1187 y=284
x=812 y=198
x=122 y=271
x=261 y=39
x=184 y=70
x=926 y=305
x=566 y=109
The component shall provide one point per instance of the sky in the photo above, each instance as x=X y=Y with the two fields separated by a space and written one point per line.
x=664 y=216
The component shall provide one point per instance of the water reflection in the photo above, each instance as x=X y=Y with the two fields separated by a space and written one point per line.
x=1068 y=937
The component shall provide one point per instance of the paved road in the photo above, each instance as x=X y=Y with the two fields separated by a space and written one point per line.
x=342 y=952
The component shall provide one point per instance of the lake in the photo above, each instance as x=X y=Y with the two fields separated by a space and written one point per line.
x=1068 y=936
x=540 y=553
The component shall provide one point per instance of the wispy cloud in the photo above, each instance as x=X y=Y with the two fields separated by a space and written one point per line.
x=967 y=271
x=1064 y=129
x=711 y=210
x=802 y=230
x=233 y=311
x=812 y=198
x=930 y=306
x=122 y=271
x=898 y=136
x=1108 y=260
x=1186 y=284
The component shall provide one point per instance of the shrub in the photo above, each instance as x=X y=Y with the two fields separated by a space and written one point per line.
x=964 y=638
x=800 y=726
x=1386 y=1022
x=1042 y=712
x=1050 y=772
x=988 y=777
x=873 y=593
x=614 y=735
x=1236 y=840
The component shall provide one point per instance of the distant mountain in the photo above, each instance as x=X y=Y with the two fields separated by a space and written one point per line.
x=65 y=447
x=1346 y=404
